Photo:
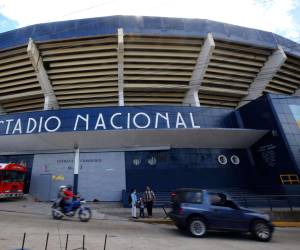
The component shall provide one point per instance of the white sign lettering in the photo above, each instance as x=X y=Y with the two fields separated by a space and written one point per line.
x=14 y=125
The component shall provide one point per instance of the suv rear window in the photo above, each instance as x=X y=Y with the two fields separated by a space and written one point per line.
x=187 y=197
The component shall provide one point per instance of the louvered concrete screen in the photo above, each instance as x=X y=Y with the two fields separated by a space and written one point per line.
x=230 y=72
x=287 y=79
x=157 y=70
x=19 y=87
x=83 y=72
x=31 y=103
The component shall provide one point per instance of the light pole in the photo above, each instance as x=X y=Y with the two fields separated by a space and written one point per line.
x=76 y=169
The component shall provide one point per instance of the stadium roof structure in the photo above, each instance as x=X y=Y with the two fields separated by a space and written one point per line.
x=130 y=60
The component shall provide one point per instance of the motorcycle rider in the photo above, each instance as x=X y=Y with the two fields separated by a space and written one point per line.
x=60 y=193
x=60 y=197
x=68 y=196
x=71 y=206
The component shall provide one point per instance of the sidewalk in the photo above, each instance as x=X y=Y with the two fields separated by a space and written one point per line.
x=115 y=211
x=100 y=210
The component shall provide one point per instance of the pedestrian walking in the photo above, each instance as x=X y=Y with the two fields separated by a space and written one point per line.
x=149 y=198
x=133 y=203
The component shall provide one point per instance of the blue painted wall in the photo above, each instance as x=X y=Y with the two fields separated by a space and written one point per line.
x=112 y=118
x=170 y=169
x=272 y=154
x=288 y=127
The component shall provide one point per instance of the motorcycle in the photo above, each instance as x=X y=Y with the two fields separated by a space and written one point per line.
x=78 y=205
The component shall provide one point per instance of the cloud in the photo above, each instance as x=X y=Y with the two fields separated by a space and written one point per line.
x=270 y=15
x=7 y=24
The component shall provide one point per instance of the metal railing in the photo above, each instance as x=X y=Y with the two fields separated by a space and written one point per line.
x=269 y=201
x=289 y=179
x=66 y=245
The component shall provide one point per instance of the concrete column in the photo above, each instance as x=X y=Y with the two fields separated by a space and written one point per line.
x=2 y=111
x=41 y=73
x=121 y=66
x=76 y=170
x=297 y=93
x=266 y=74
x=191 y=97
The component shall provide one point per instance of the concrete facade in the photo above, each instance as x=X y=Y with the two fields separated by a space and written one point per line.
x=191 y=97
x=42 y=76
x=267 y=72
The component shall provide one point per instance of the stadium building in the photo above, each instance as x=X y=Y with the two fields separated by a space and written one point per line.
x=118 y=102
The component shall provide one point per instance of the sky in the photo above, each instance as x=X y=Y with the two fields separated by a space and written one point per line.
x=279 y=16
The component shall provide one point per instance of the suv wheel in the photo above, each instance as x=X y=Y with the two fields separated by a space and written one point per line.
x=197 y=227
x=261 y=231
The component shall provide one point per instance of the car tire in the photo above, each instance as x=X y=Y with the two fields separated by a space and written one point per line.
x=261 y=231
x=197 y=227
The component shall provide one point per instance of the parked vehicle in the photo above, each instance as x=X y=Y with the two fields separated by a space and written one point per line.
x=12 y=178
x=78 y=206
x=198 y=211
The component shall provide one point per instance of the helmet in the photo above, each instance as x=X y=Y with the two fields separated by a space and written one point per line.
x=62 y=187
x=69 y=187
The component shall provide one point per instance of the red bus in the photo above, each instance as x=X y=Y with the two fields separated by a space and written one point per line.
x=12 y=178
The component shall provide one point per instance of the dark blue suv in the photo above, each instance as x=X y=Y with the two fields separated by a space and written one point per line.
x=197 y=211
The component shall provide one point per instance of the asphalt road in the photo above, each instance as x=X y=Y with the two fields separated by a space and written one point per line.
x=124 y=234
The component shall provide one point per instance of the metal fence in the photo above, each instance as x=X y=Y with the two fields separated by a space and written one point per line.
x=270 y=201
x=66 y=243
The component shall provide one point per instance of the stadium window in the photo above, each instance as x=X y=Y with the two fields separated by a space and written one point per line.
x=136 y=161
x=235 y=160
x=222 y=159
x=152 y=161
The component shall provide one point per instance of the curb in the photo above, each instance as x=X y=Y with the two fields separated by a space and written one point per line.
x=167 y=221
x=154 y=221
x=286 y=223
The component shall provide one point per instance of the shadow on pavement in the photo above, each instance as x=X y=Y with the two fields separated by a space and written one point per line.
x=213 y=235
